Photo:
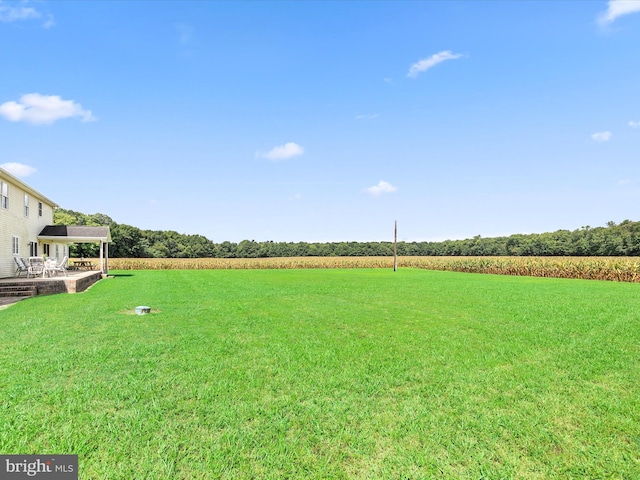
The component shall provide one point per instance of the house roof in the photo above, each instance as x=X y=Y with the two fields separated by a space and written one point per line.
x=75 y=234
x=15 y=180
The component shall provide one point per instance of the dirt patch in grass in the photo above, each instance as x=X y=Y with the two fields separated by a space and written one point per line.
x=133 y=312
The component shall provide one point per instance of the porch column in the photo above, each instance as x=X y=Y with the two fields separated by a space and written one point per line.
x=101 y=256
x=106 y=258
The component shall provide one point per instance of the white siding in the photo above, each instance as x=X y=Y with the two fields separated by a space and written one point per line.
x=14 y=223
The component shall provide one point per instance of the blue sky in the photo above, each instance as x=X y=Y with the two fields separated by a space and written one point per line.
x=327 y=120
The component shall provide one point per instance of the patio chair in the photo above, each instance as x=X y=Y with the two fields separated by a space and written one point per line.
x=22 y=267
x=36 y=266
x=59 y=267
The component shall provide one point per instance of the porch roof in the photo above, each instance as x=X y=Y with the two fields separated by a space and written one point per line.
x=75 y=234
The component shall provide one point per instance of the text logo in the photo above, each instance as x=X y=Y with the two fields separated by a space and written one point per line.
x=45 y=467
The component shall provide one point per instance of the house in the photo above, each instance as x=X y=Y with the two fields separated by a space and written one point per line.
x=24 y=212
x=27 y=230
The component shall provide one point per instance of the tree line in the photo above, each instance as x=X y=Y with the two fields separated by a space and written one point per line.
x=614 y=239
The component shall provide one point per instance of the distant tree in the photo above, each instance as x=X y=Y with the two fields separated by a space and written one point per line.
x=247 y=249
x=64 y=217
x=226 y=250
x=128 y=241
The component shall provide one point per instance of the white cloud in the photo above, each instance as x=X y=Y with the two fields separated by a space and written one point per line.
x=41 y=109
x=14 y=14
x=602 y=136
x=9 y=14
x=185 y=33
x=367 y=117
x=616 y=9
x=427 y=63
x=380 y=188
x=282 y=152
x=633 y=124
x=19 y=169
x=49 y=22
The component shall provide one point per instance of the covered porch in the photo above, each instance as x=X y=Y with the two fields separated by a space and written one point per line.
x=80 y=234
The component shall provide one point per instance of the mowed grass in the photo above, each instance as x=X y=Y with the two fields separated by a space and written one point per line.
x=327 y=374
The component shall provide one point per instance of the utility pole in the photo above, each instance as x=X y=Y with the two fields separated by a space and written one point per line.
x=395 y=245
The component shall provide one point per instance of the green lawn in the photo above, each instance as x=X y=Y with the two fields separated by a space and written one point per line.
x=327 y=374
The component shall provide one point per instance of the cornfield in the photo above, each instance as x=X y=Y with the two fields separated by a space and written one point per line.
x=620 y=269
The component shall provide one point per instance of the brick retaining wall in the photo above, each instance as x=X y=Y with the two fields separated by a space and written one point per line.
x=68 y=285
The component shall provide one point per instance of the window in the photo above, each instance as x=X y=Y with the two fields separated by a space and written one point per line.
x=39 y=209
x=33 y=249
x=16 y=244
x=57 y=251
x=26 y=205
x=45 y=248
x=4 y=195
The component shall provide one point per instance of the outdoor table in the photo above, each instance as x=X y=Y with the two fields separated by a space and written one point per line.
x=86 y=264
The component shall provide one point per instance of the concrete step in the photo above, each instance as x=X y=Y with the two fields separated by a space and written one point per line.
x=18 y=291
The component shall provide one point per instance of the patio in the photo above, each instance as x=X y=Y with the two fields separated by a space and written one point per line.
x=13 y=289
